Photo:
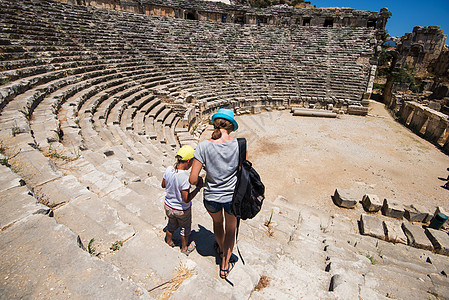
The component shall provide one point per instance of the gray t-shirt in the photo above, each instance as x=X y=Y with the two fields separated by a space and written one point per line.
x=220 y=161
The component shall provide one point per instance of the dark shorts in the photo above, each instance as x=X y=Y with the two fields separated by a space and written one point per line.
x=214 y=207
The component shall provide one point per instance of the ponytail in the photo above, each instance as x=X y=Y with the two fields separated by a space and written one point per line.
x=178 y=160
x=221 y=124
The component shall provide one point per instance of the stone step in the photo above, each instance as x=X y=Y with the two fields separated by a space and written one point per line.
x=62 y=264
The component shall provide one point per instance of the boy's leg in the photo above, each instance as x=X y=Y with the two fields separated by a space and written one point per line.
x=169 y=237
x=171 y=225
x=185 y=222
x=184 y=241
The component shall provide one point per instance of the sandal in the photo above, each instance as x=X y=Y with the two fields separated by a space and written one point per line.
x=189 y=249
x=172 y=243
x=217 y=250
x=224 y=273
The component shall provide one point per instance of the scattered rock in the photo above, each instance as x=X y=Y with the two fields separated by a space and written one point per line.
x=345 y=198
x=371 y=203
x=415 y=213
x=392 y=209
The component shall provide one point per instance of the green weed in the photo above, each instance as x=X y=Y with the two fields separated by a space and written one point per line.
x=116 y=246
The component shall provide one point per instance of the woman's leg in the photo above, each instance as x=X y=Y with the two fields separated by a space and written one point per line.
x=229 y=239
x=217 y=219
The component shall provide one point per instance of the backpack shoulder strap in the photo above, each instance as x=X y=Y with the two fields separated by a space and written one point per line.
x=242 y=149
x=242 y=157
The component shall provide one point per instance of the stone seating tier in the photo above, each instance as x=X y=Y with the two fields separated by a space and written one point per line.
x=86 y=81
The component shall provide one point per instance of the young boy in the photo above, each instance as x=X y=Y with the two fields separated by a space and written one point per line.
x=178 y=196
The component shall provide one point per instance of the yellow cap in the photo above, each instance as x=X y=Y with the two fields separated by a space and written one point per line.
x=186 y=152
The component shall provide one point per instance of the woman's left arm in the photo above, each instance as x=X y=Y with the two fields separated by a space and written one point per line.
x=195 y=172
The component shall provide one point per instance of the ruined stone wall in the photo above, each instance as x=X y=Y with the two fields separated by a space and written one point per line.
x=421 y=48
x=281 y=15
x=440 y=67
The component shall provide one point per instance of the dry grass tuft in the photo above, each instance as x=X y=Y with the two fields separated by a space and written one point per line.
x=264 y=281
x=182 y=273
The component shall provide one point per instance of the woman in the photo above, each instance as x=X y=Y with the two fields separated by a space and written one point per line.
x=220 y=157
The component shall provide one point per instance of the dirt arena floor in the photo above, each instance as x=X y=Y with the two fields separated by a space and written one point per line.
x=305 y=159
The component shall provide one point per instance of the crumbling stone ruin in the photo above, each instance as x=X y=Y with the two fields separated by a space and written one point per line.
x=223 y=13
x=95 y=98
x=421 y=48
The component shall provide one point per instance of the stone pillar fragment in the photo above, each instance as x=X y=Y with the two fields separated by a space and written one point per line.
x=405 y=112
x=418 y=119
x=435 y=128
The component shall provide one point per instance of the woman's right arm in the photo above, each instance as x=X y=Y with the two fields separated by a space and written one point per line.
x=195 y=172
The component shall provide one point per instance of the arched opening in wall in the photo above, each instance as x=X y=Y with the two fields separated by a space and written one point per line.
x=415 y=55
x=371 y=23
x=224 y=18
x=306 y=22
x=328 y=22
x=239 y=20
x=190 y=16
x=261 y=20
x=415 y=51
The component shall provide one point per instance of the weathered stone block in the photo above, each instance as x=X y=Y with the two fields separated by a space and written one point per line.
x=256 y=109
x=345 y=198
x=392 y=209
x=372 y=226
x=357 y=110
x=371 y=203
x=393 y=232
x=415 y=213
x=416 y=236
x=439 y=239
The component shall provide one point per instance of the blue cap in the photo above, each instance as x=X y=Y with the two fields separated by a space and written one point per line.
x=227 y=114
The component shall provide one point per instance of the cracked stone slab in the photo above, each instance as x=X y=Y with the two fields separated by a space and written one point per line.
x=137 y=259
x=16 y=204
x=35 y=168
x=61 y=190
x=91 y=217
x=100 y=182
x=439 y=239
x=416 y=236
x=372 y=226
x=393 y=232
x=62 y=270
x=8 y=179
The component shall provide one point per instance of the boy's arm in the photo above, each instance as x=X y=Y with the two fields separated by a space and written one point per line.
x=163 y=183
x=187 y=196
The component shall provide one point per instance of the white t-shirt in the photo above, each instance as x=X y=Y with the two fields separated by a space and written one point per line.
x=175 y=182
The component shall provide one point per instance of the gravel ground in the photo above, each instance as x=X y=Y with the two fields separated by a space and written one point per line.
x=305 y=159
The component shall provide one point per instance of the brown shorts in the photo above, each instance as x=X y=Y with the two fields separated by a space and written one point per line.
x=179 y=219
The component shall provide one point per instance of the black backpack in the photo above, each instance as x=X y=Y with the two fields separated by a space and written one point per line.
x=249 y=191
